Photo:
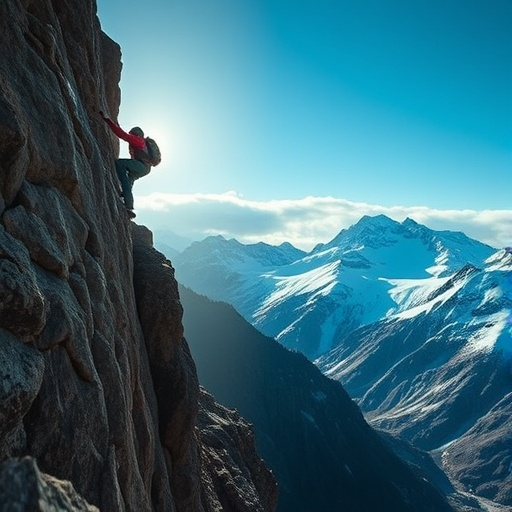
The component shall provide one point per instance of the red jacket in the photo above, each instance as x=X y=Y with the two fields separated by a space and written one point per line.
x=134 y=141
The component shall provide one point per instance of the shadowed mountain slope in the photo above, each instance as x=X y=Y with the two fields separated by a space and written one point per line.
x=324 y=455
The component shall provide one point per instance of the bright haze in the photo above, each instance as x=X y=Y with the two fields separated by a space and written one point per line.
x=283 y=120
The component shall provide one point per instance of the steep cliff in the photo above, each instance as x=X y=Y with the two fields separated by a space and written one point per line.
x=97 y=386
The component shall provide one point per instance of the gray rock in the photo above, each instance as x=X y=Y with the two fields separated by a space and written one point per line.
x=22 y=305
x=33 y=233
x=21 y=375
x=24 y=488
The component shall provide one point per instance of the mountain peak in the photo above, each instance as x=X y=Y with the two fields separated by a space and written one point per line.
x=408 y=222
x=450 y=250
x=380 y=219
x=217 y=252
x=369 y=231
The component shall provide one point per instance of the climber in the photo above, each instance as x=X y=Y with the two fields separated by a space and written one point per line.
x=130 y=169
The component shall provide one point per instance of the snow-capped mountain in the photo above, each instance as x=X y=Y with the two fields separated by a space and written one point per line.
x=309 y=301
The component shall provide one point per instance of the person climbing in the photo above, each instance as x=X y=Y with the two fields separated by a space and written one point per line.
x=142 y=153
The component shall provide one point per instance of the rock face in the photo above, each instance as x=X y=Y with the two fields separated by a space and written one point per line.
x=96 y=380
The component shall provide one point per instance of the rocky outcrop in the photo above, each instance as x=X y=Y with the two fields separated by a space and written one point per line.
x=216 y=465
x=97 y=385
x=172 y=368
x=231 y=463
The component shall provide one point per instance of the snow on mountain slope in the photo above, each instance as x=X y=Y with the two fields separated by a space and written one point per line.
x=308 y=301
x=452 y=249
x=472 y=304
x=437 y=371
x=232 y=272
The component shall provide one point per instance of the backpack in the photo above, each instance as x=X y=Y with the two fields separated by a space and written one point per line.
x=153 y=156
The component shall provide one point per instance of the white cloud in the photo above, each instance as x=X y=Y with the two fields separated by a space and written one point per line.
x=302 y=222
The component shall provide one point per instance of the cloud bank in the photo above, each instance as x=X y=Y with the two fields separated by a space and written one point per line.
x=303 y=222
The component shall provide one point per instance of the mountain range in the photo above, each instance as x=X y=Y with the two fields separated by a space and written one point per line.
x=308 y=301
x=415 y=324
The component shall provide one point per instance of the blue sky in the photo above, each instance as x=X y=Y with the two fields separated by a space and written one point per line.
x=288 y=120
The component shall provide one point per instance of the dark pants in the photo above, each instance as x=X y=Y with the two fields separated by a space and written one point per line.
x=129 y=170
